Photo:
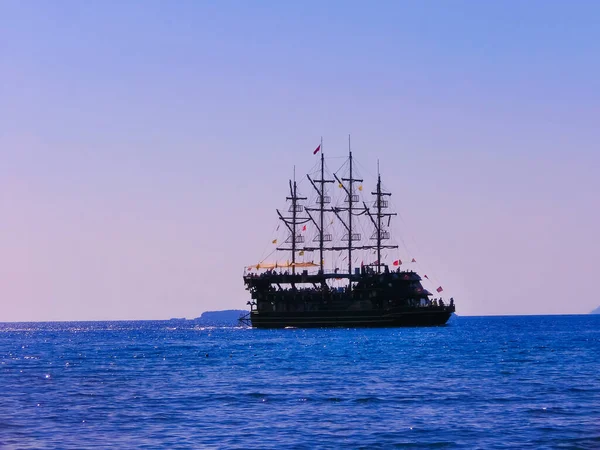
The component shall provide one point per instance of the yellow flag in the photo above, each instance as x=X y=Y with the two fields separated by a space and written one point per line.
x=274 y=241
x=301 y=253
x=360 y=187
x=341 y=185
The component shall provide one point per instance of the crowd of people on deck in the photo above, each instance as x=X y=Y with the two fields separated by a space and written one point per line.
x=440 y=302
x=269 y=273
x=424 y=302
x=365 y=270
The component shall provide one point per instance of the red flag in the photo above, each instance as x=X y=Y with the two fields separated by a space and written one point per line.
x=397 y=262
x=414 y=260
x=304 y=228
x=426 y=276
x=439 y=289
x=317 y=149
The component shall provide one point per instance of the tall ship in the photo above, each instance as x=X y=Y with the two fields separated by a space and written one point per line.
x=329 y=267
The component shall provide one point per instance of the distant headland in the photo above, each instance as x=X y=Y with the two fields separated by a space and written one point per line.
x=227 y=317
x=596 y=311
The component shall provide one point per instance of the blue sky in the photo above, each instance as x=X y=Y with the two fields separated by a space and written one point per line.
x=145 y=145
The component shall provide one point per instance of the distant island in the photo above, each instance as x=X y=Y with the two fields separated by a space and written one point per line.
x=228 y=317
x=596 y=311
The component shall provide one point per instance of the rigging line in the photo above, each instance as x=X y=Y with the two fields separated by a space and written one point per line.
x=384 y=187
x=343 y=167
x=272 y=251
x=414 y=242
x=367 y=171
x=430 y=278
x=303 y=179
x=267 y=246
x=315 y=168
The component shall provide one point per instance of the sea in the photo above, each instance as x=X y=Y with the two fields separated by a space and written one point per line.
x=479 y=382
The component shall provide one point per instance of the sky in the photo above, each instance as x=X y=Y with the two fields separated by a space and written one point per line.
x=144 y=146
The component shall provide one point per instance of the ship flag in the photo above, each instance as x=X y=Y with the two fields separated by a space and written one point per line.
x=274 y=241
x=439 y=289
x=397 y=262
x=301 y=253
x=317 y=150
x=304 y=228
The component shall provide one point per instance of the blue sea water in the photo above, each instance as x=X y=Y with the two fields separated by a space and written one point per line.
x=479 y=382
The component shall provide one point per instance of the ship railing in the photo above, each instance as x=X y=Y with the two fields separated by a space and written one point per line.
x=288 y=273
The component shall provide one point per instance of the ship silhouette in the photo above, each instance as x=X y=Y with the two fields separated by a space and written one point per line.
x=299 y=292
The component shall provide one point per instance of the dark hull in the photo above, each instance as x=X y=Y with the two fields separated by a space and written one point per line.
x=417 y=317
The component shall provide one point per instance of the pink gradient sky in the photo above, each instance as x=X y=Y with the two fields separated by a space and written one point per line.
x=145 y=146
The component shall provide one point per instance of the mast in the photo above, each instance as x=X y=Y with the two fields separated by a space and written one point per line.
x=350 y=211
x=321 y=212
x=380 y=234
x=319 y=186
x=349 y=189
x=294 y=214
x=292 y=222
x=378 y=219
